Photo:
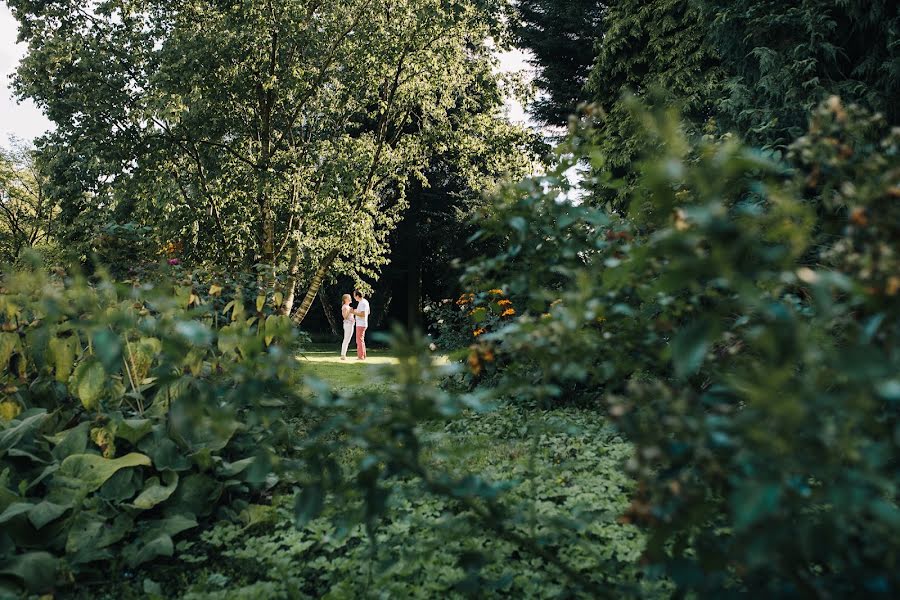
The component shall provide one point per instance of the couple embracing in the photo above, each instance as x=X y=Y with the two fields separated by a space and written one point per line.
x=358 y=319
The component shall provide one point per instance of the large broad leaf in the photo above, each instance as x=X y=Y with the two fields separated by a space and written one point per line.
x=196 y=494
x=108 y=348
x=753 y=502
x=276 y=326
x=133 y=430
x=308 y=504
x=90 y=533
x=63 y=352
x=46 y=512
x=36 y=570
x=71 y=441
x=13 y=435
x=141 y=356
x=9 y=344
x=166 y=455
x=122 y=486
x=155 y=491
x=14 y=510
x=87 y=382
x=156 y=540
x=88 y=472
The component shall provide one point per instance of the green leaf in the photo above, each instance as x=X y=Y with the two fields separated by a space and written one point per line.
x=122 y=486
x=88 y=382
x=63 y=352
x=13 y=435
x=308 y=504
x=71 y=441
x=90 y=471
x=156 y=540
x=36 y=570
x=196 y=494
x=9 y=344
x=45 y=512
x=689 y=348
x=133 y=430
x=14 y=510
x=155 y=492
x=108 y=348
x=753 y=502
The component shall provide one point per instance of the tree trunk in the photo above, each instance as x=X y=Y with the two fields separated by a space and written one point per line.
x=329 y=311
x=313 y=290
x=414 y=270
x=290 y=285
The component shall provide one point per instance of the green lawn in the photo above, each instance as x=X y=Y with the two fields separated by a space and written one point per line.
x=324 y=362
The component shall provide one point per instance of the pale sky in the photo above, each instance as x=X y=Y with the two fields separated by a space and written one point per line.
x=21 y=120
x=24 y=120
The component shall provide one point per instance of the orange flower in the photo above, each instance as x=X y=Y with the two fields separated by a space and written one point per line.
x=465 y=299
x=474 y=362
x=508 y=312
x=505 y=302
x=893 y=286
x=478 y=331
x=496 y=292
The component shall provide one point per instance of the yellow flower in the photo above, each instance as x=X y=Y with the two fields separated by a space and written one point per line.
x=508 y=312
x=478 y=331
x=496 y=292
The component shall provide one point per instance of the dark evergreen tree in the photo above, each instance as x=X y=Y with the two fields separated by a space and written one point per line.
x=659 y=51
x=785 y=57
x=561 y=36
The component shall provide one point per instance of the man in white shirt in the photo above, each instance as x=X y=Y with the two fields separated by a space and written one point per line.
x=362 y=323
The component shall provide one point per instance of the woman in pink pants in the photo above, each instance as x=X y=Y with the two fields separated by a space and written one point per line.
x=362 y=323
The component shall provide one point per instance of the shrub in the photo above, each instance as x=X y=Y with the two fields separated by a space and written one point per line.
x=742 y=328
x=129 y=414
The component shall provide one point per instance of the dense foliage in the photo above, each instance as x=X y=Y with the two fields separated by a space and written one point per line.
x=676 y=379
x=782 y=59
x=754 y=67
x=743 y=335
x=128 y=415
x=659 y=50
x=255 y=133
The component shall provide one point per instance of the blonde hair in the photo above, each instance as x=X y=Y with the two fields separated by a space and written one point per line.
x=345 y=298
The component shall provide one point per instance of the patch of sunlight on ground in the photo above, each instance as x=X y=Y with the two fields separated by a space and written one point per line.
x=325 y=363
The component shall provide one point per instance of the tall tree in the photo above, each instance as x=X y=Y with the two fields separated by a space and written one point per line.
x=27 y=215
x=649 y=48
x=265 y=133
x=560 y=35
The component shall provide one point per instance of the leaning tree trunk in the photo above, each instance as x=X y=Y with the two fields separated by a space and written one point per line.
x=313 y=290
x=329 y=311
x=290 y=285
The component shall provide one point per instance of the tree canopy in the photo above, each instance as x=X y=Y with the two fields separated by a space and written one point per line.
x=259 y=134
